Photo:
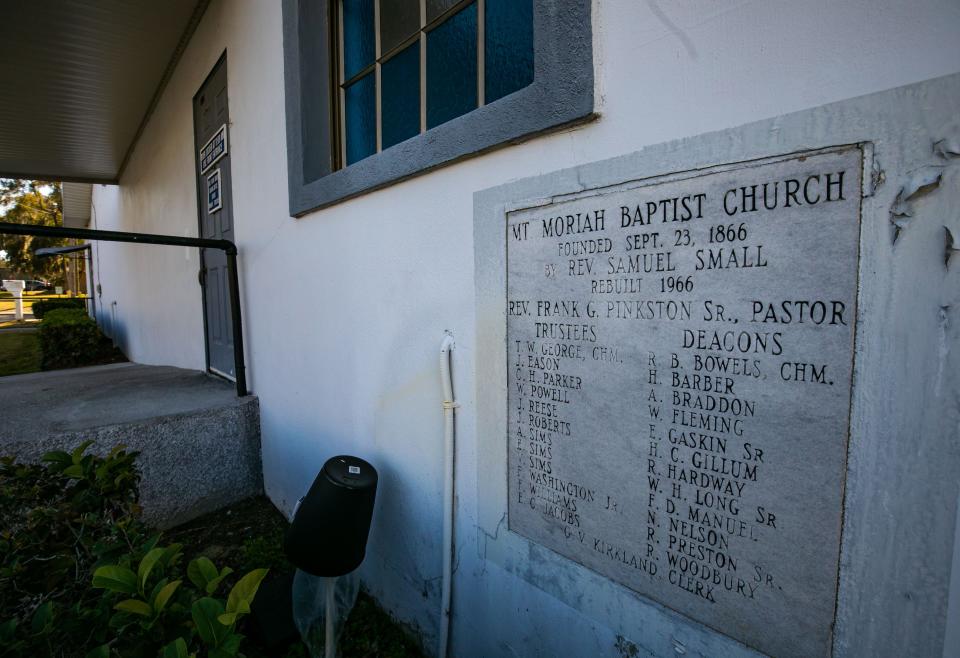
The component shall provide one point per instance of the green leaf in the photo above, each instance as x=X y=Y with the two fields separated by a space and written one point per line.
x=57 y=457
x=201 y=571
x=103 y=651
x=115 y=579
x=42 y=617
x=159 y=585
x=102 y=471
x=164 y=595
x=221 y=652
x=75 y=471
x=205 y=612
x=170 y=553
x=151 y=543
x=8 y=630
x=135 y=607
x=77 y=454
x=176 y=649
x=228 y=618
x=212 y=585
x=229 y=647
x=119 y=621
x=241 y=596
x=231 y=643
x=116 y=450
x=147 y=564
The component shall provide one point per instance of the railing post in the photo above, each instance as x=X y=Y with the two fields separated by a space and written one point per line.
x=240 y=371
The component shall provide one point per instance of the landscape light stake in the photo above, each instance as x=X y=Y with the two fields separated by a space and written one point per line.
x=228 y=247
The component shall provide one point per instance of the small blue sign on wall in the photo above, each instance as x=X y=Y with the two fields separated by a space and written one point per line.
x=214 y=198
x=214 y=149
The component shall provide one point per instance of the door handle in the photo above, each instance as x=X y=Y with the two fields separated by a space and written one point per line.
x=202 y=276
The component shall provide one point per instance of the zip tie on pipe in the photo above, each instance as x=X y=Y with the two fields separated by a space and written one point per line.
x=449 y=404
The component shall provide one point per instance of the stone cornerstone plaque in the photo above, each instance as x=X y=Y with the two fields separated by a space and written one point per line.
x=680 y=353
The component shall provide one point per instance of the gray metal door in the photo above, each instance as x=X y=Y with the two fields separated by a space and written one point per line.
x=211 y=125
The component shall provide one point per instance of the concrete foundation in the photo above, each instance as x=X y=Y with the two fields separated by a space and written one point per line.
x=199 y=444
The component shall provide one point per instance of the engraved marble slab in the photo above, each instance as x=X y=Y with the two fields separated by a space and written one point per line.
x=680 y=356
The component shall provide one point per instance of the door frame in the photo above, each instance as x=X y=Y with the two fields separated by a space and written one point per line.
x=201 y=199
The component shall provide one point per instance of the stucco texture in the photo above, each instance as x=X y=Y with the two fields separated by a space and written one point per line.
x=345 y=308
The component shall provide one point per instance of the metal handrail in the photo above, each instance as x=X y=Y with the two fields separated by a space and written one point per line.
x=228 y=247
x=27 y=297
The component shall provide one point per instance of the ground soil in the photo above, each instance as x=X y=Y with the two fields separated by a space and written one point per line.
x=249 y=535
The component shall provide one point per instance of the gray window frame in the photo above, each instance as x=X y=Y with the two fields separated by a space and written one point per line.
x=561 y=94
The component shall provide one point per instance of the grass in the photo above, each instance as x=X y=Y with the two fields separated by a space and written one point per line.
x=19 y=353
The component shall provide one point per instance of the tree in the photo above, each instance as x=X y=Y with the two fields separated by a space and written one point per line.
x=31 y=202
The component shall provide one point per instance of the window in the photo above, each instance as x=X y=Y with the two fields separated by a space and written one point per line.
x=381 y=90
x=406 y=66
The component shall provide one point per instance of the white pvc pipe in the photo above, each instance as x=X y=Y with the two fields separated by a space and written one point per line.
x=446 y=348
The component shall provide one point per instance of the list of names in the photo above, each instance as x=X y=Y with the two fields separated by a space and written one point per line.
x=680 y=356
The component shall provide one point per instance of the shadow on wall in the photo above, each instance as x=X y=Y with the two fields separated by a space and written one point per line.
x=396 y=425
x=405 y=572
x=110 y=325
x=402 y=566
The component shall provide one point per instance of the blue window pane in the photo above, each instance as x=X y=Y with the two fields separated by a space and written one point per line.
x=452 y=67
x=400 y=96
x=359 y=44
x=508 y=47
x=361 y=121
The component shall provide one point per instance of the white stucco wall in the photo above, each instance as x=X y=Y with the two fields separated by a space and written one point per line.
x=345 y=308
x=150 y=294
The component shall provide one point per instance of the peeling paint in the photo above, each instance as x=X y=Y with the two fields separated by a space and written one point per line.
x=874 y=176
x=877 y=176
x=918 y=184
x=483 y=537
x=948 y=147
x=626 y=648
x=943 y=346
x=950 y=246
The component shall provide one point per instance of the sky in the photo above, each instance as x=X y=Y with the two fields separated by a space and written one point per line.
x=45 y=190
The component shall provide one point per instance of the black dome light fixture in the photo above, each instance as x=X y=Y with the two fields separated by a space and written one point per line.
x=331 y=525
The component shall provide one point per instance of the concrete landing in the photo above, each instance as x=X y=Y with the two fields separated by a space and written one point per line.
x=199 y=442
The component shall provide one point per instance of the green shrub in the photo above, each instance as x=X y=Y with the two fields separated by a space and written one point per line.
x=65 y=316
x=58 y=520
x=80 y=574
x=70 y=338
x=159 y=613
x=42 y=307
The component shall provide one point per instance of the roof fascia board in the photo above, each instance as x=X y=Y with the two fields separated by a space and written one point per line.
x=57 y=178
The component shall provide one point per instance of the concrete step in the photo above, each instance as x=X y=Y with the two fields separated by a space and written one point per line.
x=199 y=444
